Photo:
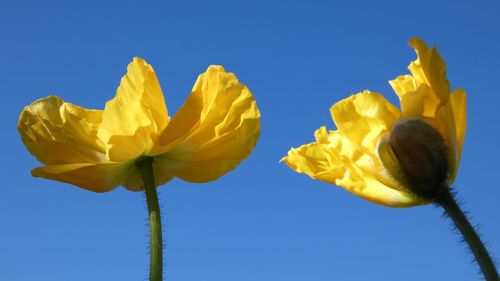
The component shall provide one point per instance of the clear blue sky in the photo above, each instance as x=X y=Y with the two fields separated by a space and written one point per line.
x=261 y=222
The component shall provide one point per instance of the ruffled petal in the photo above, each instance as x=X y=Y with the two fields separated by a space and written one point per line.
x=363 y=118
x=429 y=68
x=57 y=132
x=413 y=97
x=329 y=159
x=214 y=130
x=423 y=94
x=317 y=159
x=132 y=120
x=100 y=177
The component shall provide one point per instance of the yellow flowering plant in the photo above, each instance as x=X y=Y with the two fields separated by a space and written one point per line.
x=398 y=158
x=134 y=143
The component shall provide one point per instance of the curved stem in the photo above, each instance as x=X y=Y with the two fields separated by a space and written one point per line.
x=470 y=235
x=145 y=165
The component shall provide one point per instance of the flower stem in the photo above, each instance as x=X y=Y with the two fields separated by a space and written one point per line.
x=145 y=165
x=470 y=235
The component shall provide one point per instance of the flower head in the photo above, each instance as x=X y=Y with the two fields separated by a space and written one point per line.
x=214 y=130
x=387 y=155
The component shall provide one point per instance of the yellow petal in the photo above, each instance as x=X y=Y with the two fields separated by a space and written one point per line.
x=214 y=130
x=429 y=68
x=444 y=122
x=458 y=105
x=318 y=159
x=413 y=97
x=100 y=177
x=132 y=120
x=424 y=93
x=56 y=132
x=328 y=159
x=364 y=117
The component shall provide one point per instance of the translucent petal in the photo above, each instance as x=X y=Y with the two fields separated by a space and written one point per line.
x=99 y=177
x=214 y=130
x=132 y=120
x=56 y=132
x=458 y=105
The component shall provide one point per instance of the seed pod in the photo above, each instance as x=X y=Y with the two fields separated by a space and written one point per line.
x=416 y=155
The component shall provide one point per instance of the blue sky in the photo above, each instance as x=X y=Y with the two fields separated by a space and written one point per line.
x=262 y=221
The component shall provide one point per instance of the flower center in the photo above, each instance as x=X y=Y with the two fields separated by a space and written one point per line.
x=416 y=155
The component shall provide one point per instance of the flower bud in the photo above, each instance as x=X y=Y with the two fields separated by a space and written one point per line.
x=417 y=156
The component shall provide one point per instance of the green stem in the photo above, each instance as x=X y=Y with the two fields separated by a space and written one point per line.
x=145 y=165
x=470 y=235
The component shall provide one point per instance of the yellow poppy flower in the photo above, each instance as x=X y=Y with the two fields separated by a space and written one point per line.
x=377 y=147
x=214 y=130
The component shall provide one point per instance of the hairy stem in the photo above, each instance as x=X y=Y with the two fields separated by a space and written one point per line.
x=470 y=235
x=145 y=165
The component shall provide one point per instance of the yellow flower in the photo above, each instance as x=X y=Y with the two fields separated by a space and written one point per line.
x=376 y=146
x=214 y=130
